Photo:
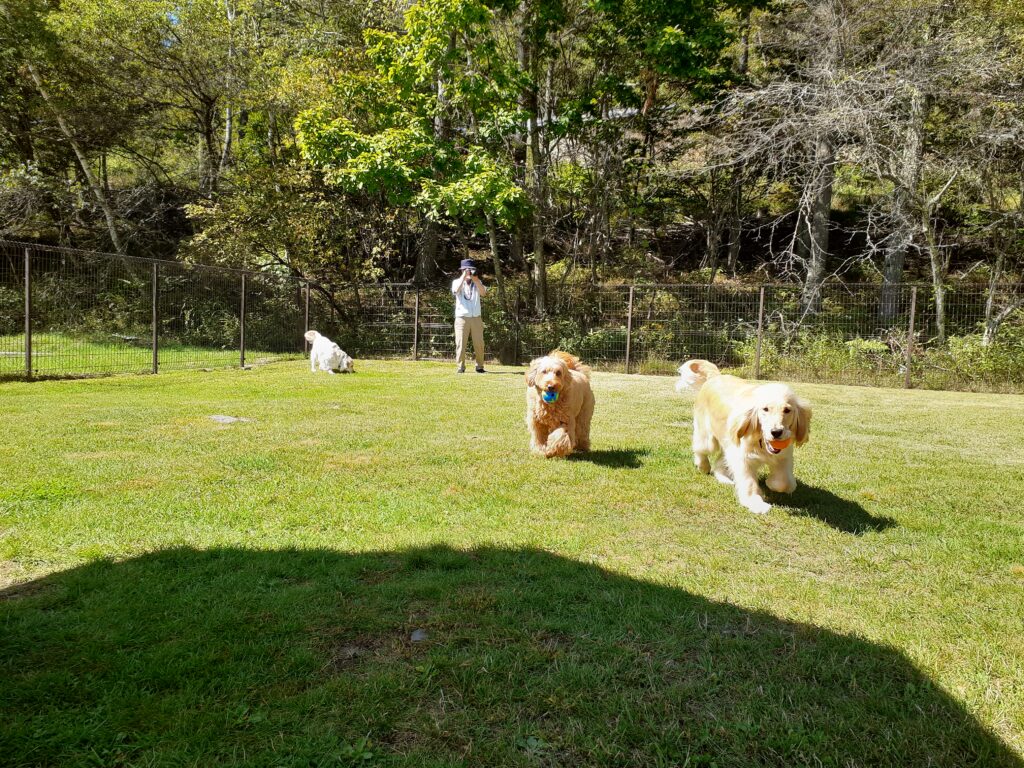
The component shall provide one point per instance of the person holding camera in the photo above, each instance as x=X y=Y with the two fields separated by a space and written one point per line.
x=468 y=322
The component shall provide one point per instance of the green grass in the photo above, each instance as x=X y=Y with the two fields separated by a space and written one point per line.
x=61 y=355
x=182 y=592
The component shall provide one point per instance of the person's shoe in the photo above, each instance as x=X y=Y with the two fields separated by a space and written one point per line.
x=461 y=369
x=480 y=369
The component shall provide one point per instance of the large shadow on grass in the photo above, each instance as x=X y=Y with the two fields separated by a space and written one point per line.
x=615 y=458
x=287 y=658
x=842 y=514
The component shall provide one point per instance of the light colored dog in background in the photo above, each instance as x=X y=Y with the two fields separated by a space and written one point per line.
x=326 y=355
x=745 y=426
x=559 y=404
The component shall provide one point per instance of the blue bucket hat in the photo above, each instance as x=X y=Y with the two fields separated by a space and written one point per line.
x=467 y=264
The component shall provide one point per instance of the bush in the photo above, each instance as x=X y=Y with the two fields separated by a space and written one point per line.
x=12 y=309
x=965 y=362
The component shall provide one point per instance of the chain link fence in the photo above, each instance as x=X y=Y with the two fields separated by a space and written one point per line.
x=90 y=313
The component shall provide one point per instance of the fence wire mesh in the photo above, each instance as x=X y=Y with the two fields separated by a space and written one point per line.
x=94 y=313
x=100 y=313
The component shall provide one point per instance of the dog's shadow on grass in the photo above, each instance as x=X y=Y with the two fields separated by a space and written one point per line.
x=617 y=458
x=842 y=514
x=438 y=656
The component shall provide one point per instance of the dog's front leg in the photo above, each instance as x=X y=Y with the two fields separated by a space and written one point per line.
x=560 y=441
x=538 y=438
x=745 y=477
x=782 y=478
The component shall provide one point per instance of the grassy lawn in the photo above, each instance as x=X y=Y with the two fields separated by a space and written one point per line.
x=373 y=571
x=57 y=355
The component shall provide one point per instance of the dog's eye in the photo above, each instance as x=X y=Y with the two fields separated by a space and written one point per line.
x=787 y=409
x=765 y=409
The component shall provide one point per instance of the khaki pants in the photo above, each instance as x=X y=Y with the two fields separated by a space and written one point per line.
x=464 y=326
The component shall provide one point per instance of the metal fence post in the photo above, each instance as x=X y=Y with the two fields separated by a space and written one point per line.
x=28 y=314
x=305 y=322
x=515 y=355
x=416 y=326
x=760 y=333
x=241 y=326
x=629 y=327
x=910 y=338
x=156 y=318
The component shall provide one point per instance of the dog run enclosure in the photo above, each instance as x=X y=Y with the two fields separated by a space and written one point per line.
x=66 y=312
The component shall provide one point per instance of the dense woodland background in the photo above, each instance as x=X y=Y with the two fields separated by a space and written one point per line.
x=566 y=140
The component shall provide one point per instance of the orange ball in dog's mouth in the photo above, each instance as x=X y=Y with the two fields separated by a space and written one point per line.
x=779 y=445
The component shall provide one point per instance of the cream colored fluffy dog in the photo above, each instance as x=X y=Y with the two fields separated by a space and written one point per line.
x=749 y=426
x=559 y=404
x=326 y=355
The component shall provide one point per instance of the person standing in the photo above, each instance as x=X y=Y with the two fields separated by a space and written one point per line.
x=468 y=321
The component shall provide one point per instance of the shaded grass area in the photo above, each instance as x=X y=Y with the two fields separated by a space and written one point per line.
x=181 y=591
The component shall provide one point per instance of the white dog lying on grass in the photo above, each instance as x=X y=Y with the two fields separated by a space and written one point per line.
x=327 y=355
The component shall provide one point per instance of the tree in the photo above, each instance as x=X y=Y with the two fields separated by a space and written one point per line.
x=417 y=127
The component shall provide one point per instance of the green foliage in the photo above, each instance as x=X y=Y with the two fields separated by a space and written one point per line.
x=401 y=154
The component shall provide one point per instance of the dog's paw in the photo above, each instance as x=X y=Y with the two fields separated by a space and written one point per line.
x=757 y=505
x=559 y=444
x=781 y=484
x=702 y=464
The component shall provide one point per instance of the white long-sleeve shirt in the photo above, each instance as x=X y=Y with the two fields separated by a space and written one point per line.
x=467 y=298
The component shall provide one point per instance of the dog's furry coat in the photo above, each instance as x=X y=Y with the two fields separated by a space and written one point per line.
x=563 y=426
x=327 y=355
x=736 y=421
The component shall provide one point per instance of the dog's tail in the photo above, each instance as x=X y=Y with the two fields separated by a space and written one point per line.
x=311 y=336
x=571 y=361
x=693 y=374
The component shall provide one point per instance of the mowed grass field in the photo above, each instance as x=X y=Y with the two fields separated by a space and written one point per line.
x=372 y=570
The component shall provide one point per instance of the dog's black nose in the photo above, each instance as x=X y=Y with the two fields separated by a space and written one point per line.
x=776 y=433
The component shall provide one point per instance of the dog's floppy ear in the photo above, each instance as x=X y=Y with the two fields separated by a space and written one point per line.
x=531 y=374
x=801 y=421
x=743 y=422
x=566 y=376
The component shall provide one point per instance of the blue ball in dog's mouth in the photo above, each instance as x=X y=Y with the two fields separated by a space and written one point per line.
x=549 y=395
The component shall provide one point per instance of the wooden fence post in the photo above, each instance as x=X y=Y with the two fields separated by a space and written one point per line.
x=760 y=333
x=629 y=327
x=241 y=327
x=156 y=318
x=910 y=338
x=416 y=326
x=28 y=314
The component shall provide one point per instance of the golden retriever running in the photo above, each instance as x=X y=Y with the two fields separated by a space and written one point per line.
x=748 y=425
x=559 y=404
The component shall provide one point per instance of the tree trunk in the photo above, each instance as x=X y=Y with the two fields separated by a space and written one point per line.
x=906 y=180
x=426 y=259
x=499 y=276
x=818 y=223
x=736 y=182
x=83 y=162
x=208 y=149
x=225 y=152
x=529 y=63
x=735 y=220
x=992 y=318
